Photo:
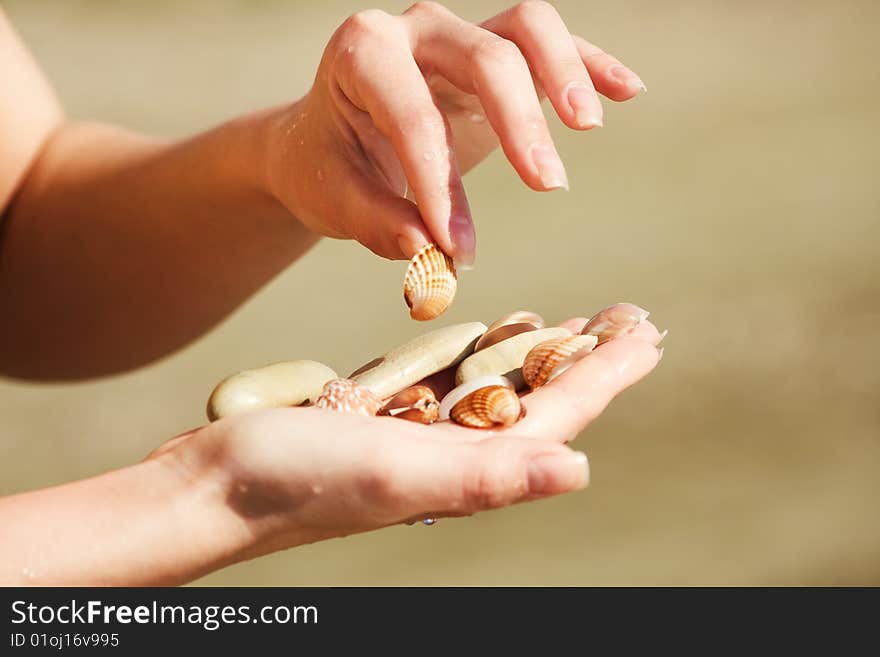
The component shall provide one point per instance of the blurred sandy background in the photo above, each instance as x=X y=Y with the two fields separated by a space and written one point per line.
x=738 y=200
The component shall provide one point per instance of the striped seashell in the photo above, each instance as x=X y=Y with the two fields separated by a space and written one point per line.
x=614 y=321
x=461 y=391
x=551 y=358
x=349 y=397
x=488 y=407
x=508 y=326
x=416 y=404
x=430 y=283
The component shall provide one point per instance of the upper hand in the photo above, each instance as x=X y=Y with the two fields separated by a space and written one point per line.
x=402 y=105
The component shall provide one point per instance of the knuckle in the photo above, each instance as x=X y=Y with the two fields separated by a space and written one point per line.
x=365 y=23
x=498 y=49
x=529 y=11
x=427 y=9
x=489 y=488
x=424 y=121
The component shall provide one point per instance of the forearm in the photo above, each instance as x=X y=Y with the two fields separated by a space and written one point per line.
x=119 y=249
x=154 y=523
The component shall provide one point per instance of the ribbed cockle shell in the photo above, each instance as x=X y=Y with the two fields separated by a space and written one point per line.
x=430 y=283
x=508 y=326
x=614 y=321
x=551 y=358
x=417 y=404
x=348 y=396
x=488 y=407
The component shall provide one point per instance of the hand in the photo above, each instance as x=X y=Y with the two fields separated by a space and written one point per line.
x=299 y=475
x=403 y=105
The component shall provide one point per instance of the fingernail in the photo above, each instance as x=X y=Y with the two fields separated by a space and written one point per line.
x=630 y=79
x=461 y=232
x=584 y=104
x=662 y=335
x=660 y=353
x=558 y=473
x=549 y=166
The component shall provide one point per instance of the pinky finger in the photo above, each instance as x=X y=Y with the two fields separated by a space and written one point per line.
x=611 y=78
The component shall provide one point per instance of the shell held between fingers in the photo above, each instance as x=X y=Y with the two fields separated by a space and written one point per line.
x=488 y=407
x=416 y=404
x=551 y=358
x=347 y=396
x=430 y=283
x=615 y=321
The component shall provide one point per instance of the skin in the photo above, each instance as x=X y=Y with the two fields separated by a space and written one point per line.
x=99 y=224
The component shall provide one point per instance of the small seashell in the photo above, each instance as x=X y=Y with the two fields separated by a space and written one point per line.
x=506 y=357
x=614 y=321
x=487 y=407
x=509 y=325
x=430 y=282
x=460 y=392
x=347 y=396
x=288 y=383
x=417 y=404
x=551 y=358
x=421 y=357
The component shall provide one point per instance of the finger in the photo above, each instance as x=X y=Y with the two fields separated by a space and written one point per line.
x=645 y=330
x=480 y=62
x=170 y=444
x=563 y=407
x=425 y=478
x=611 y=78
x=575 y=324
x=536 y=27
x=377 y=73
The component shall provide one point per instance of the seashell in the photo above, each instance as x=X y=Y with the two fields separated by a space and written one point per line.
x=416 y=404
x=460 y=392
x=347 y=396
x=430 y=282
x=506 y=357
x=487 y=407
x=614 y=321
x=422 y=356
x=509 y=325
x=551 y=358
x=288 y=383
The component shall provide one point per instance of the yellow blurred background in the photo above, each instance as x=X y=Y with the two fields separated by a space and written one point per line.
x=738 y=200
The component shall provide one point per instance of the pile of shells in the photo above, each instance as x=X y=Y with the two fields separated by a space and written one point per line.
x=492 y=365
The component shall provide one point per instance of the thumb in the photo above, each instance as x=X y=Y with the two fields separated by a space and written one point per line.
x=387 y=224
x=442 y=478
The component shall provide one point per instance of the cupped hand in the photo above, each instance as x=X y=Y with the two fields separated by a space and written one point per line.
x=299 y=475
x=402 y=105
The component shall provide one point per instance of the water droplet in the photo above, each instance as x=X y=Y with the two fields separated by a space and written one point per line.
x=349 y=50
x=317 y=489
x=476 y=117
x=429 y=155
x=320 y=175
x=428 y=521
